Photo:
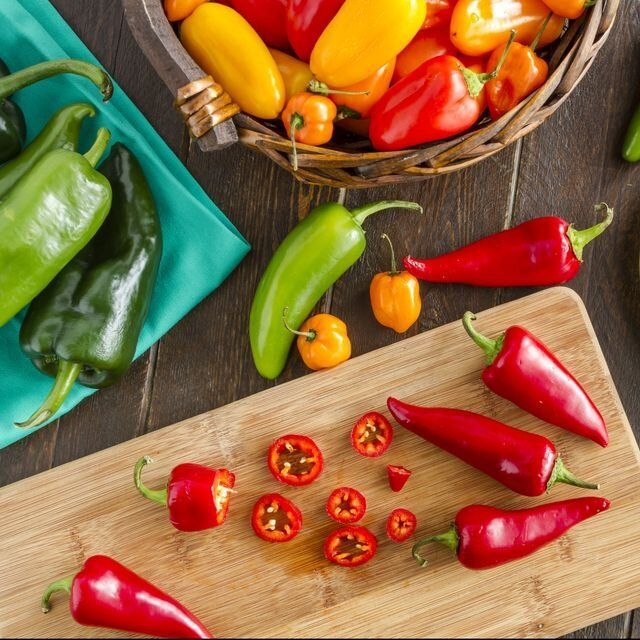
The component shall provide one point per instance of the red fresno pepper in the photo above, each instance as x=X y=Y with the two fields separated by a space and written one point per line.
x=268 y=18
x=485 y=537
x=398 y=477
x=526 y=463
x=401 y=525
x=522 y=370
x=197 y=496
x=306 y=20
x=371 y=436
x=276 y=519
x=539 y=252
x=346 y=505
x=350 y=546
x=295 y=460
x=107 y=594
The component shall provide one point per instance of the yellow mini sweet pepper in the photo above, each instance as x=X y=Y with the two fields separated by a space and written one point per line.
x=295 y=73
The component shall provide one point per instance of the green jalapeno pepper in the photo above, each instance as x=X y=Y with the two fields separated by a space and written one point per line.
x=309 y=260
x=13 y=129
x=631 y=145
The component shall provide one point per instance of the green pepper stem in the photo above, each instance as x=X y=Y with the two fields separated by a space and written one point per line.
x=580 y=239
x=21 y=79
x=560 y=473
x=475 y=81
x=159 y=495
x=66 y=376
x=296 y=123
x=345 y=112
x=394 y=266
x=309 y=335
x=99 y=146
x=315 y=86
x=543 y=27
x=449 y=539
x=490 y=347
x=58 y=585
x=362 y=213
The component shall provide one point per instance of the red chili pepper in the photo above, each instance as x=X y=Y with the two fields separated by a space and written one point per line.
x=106 y=594
x=306 y=20
x=295 y=460
x=371 y=436
x=539 y=252
x=346 y=505
x=401 y=525
x=526 y=463
x=485 y=537
x=398 y=477
x=350 y=546
x=522 y=370
x=276 y=519
x=268 y=18
x=197 y=496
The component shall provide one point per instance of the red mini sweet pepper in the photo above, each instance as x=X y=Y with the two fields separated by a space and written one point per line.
x=540 y=252
x=268 y=18
x=525 y=462
x=306 y=20
x=524 y=371
x=484 y=537
x=106 y=594
x=197 y=496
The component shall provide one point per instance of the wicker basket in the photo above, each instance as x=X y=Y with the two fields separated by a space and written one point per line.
x=350 y=163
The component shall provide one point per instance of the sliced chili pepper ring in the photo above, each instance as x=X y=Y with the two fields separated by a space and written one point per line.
x=350 y=546
x=346 y=505
x=398 y=476
x=295 y=460
x=371 y=435
x=401 y=525
x=276 y=519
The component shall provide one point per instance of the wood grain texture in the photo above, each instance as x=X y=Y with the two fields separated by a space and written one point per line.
x=90 y=506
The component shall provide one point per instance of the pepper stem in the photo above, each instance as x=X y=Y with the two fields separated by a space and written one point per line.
x=315 y=86
x=21 y=79
x=296 y=123
x=66 y=376
x=309 y=335
x=449 y=539
x=543 y=27
x=159 y=495
x=581 y=238
x=490 y=347
x=99 y=146
x=475 y=81
x=362 y=213
x=58 y=585
x=394 y=266
x=560 y=473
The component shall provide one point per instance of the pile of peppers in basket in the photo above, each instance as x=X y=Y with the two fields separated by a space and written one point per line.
x=412 y=72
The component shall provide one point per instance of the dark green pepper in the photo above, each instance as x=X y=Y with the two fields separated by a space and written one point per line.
x=309 y=260
x=13 y=129
x=46 y=219
x=85 y=325
x=631 y=145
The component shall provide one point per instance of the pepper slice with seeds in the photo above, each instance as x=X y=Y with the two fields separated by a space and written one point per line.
x=346 y=505
x=295 y=460
x=350 y=546
x=401 y=525
x=372 y=435
x=276 y=519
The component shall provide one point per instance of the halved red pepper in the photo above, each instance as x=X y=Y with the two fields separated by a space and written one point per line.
x=401 y=525
x=295 y=460
x=398 y=477
x=268 y=18
x=276 y=519
x=350 y=546
x=371 y=436
x=346 y=505
x=197 y=496
x=306 y=20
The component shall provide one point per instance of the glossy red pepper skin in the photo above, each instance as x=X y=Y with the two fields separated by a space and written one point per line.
x=484 y=537
x=268 y=18
x=306 y=20
x=523 y=370
x=525 y=462
x=106 y=594
x=540 y=252
x=398 y=477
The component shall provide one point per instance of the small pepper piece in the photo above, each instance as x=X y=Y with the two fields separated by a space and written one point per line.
x=350 y=546
x=484 y=537
x=104 y=593
x=398 y=477
x=276 y=519
x=197 y=496
x=401 y=525
x=295 y=460
x=346 y=505
x=371 y=435
x=521 y=369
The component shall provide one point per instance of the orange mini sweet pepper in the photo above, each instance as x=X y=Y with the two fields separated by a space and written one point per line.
x=180 y=9
x=571 y=9
x=395 y=296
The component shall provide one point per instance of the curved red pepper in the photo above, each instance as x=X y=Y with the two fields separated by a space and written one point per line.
x=485 y=537
x=276 y=519
x=350 y=546
x=526 y=463
x=295 y=460
x=539 y=252
x=107 y=594
x=306 y=20
x=522 y=370
x=371 y=435
x=346 y=505
x=398 y=477
x=401 y=525
x=268 y=18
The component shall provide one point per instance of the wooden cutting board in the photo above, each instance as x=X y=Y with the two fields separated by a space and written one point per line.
x=241 y=586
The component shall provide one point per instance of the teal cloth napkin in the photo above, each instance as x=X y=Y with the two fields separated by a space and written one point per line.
x=201 y=247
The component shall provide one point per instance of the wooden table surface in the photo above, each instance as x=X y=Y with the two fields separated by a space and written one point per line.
x=568 y=164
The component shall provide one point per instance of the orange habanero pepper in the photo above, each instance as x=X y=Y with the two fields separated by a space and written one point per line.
x=395 y=296
x=180 y=9
x=322 y=341
x=571 y=9
x=480 y=26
